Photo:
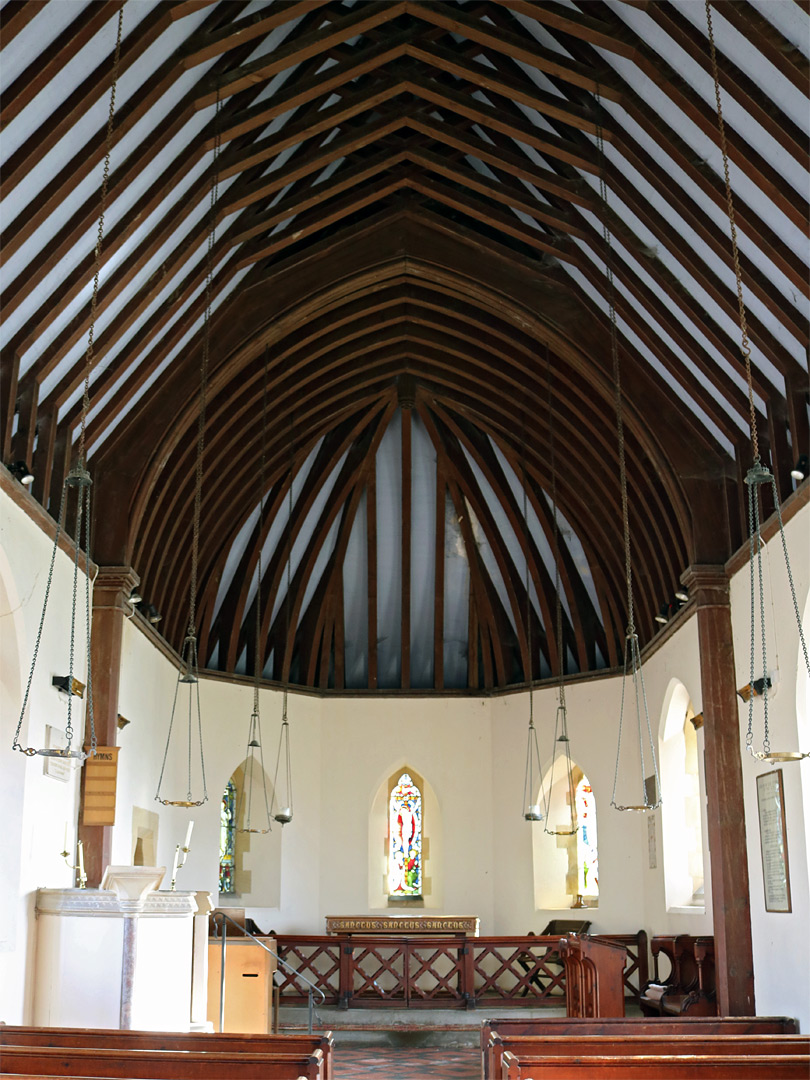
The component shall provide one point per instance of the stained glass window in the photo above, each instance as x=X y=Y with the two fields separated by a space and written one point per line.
x=227 y=839
x=587 y=856
x=405 y=839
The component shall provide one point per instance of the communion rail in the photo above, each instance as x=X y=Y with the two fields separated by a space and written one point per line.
x=451 y=971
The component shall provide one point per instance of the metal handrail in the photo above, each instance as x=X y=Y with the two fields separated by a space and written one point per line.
x=296 y=974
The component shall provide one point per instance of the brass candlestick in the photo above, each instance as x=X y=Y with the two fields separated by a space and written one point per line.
x=177 y=864
x=185 y=848
x=80 y=865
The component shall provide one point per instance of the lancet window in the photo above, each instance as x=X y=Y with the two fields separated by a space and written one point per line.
x=227 y=839
x=587 y=854
x=405 y=839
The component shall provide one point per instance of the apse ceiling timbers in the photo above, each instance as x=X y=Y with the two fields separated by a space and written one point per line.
x=408 y=196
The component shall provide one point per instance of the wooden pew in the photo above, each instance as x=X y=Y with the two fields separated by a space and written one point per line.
x=689 y=987
x=611 y=1025
x=621 y=1044
x=657 y=1067
x=159 y=1064
x=227 y=1042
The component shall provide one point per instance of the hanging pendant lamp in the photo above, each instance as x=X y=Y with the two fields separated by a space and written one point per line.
x=758 y=476
x=284 y=814
x=184 y=747
x=78 y=481
x=561 y=764
x=252 y=809
x=638 y=754
x=533 y=811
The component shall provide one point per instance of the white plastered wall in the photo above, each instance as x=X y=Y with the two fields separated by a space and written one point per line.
x=781 y=940
x=470 y=752
x=38 y=811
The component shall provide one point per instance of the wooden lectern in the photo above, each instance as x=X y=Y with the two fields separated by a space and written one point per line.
x=594 y=984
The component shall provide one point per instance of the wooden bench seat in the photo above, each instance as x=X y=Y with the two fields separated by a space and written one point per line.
x=226 y=1042
x=159 y=1064
x=621 y=1044
x=657 y=1067
x=511 y=1027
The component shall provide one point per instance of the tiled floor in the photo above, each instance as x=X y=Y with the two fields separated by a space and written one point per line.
x=407 y=1064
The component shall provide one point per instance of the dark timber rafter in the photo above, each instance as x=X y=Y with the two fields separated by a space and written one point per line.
x=408 y=212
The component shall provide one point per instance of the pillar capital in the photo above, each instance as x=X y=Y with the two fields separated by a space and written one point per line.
x=707 y=583
x=112 y=587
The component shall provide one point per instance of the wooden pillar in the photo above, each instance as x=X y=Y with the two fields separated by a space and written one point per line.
x=111 y=591
x=708 y=586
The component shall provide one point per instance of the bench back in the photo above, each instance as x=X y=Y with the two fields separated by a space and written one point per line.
x=657 y=1067
x=611 y=1045
x=159 y=1065
x=215 y=1042
x=700 y=1025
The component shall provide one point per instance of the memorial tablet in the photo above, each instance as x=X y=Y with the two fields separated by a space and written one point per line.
x=773 y=841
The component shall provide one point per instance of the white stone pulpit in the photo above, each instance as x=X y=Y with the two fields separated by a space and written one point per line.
x=96 y=968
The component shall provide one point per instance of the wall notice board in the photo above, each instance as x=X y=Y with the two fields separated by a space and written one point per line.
x=773 y=841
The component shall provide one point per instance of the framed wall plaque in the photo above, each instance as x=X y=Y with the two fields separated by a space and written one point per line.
x=773 y=841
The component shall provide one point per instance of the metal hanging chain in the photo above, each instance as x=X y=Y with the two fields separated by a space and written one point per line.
x=284 y=731
x=79 y=475
x=88 y=358
x=254 y=730
x=614 y=352
x=758 y=474
x=528 y=594
x=259 y=666
x=745 y=345
x=631 y=646
x=289 y=572
x=561 y=718
x=206 y=349
x=87 y=612
x=552 y=462
x=29 y=751
x=532 y=748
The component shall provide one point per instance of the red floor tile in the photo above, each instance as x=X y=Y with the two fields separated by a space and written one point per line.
x=407 y=1064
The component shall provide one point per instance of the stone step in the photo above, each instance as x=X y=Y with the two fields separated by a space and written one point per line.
x=448 y=1028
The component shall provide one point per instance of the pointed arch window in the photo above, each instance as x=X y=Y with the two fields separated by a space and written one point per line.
x=405 y=839
x=227 y=839
x=587 y=853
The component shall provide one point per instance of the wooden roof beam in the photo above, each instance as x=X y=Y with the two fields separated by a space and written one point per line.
x=453 y=18
x=572 y=22
x=207 y=45
x=61 y=51
x=301 y=47
x=15 y=15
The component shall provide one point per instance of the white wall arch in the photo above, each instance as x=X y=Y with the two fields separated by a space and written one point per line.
x=556 y=854
x=257 y=874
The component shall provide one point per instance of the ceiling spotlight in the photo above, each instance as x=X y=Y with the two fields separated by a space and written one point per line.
x=135 y=598
x=20 y=471
x=798 y=472
x=682 y=595
x=755 y=689
x=152 y=614
x=663 y=615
